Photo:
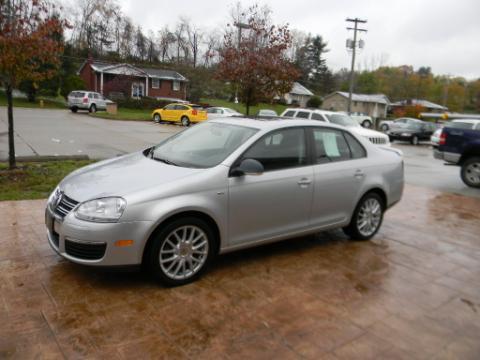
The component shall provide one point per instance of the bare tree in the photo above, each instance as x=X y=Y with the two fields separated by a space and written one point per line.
x=193 y=38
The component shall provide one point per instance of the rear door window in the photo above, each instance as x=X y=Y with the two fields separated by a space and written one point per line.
x=316 y=116
x=290 y=113
x=330 y=146
x=303 y=114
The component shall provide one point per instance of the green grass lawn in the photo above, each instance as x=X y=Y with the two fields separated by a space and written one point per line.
x=48 y=102
x=241 y=107
x=34 y=180
x=125 y=114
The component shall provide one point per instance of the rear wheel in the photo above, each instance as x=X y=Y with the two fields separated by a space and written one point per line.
x=470 y=172
x=367 y=218
x=384 y=127
x=181 y=251
x=93 y=108
x=74 y=109
x=157 y=118
x=185 y=121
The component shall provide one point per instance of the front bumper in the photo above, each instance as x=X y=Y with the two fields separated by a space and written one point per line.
x=90 y=243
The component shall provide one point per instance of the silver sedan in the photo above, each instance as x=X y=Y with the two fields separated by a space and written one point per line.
x=221 y=186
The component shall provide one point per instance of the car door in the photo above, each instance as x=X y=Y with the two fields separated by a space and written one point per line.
x=178 y=112
x=339 y=161
x=167 y=112
x=277 y=202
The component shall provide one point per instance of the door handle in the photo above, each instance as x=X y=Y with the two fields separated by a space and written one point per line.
x=359 y=174
x=304 y=182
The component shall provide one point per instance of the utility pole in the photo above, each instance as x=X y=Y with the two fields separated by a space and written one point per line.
x=353 y=46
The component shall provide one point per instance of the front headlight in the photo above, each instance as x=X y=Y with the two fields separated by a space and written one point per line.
x=53 y=198
x=101 y=210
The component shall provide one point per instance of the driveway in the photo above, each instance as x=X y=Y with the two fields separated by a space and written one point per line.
x=60 y=132
x=411 y=293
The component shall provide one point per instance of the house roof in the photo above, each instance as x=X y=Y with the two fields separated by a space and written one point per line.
x=114 y=68
x=299 y=89
x=424 y=103
x=370 y=98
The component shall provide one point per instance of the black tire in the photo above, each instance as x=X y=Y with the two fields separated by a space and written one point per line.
x=92 y=108
x=467 y=172
x=157 y=118
x=74 y=109
x=366 y=124
x=414 y=140
x=185 y=121
x=153 y=255
x=352 y=230
x=384 y=127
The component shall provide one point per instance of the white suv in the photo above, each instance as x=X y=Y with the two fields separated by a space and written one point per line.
x=86 y=100
x=375 y=137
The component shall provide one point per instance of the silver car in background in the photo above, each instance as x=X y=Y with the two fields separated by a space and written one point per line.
x=221 y=186
x=86 y=100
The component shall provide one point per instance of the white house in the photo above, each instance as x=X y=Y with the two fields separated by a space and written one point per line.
x=298 y=95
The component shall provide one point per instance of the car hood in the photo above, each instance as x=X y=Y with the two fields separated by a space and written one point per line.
x=121 y=176
x=366 y=132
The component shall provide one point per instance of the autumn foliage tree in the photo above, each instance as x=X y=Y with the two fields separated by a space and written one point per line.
x=256 y=64
x=28 y=41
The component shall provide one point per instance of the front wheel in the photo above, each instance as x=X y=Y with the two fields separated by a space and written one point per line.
x=185 y=121
x=367 y=218
x=384 y=127
x=181 y=251
x=366 y=124
x=470 y=172
x=157 y=118
x=414 y=140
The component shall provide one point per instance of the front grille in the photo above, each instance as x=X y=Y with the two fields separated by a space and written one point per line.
x=378 y=140
x=65 y=205
x=85 y=251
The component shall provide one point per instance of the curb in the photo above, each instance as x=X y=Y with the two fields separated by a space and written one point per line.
x=40 y=158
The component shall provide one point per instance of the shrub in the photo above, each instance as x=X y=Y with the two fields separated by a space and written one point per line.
x=314 y=102
x=142 y=103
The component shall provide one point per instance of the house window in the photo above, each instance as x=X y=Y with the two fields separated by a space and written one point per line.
x=176 y=85
x=155 y=83
x=138 y=90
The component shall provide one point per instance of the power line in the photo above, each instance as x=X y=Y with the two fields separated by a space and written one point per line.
x=353 y=46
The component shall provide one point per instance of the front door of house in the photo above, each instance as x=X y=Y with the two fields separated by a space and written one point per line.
x=138 y=90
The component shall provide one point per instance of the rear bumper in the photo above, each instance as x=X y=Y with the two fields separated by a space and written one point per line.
x=446 y=156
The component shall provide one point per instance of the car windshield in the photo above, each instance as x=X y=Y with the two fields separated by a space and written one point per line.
x=459 y=125
x=230 y=111
x=341 y=119
x=202 y=146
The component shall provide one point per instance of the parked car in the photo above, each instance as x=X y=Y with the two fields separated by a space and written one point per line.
x=338 y=118
x=460 y=123
x=183 y=113
x=215 y=112
x=223 y=185
x=412 y=131
x=460 y=145
x=386 y=125
x=86 y=100
x=363 y=119
x=266 y=112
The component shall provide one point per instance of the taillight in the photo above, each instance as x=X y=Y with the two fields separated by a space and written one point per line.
x=194 y=112
x=443 y=138
x=85 y=100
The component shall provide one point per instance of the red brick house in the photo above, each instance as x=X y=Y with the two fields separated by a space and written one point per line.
x=116 y=80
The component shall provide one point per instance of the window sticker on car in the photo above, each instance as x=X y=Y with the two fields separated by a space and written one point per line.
x=330 y=144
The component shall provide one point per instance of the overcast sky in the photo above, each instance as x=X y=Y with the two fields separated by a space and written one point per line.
x=442 y=34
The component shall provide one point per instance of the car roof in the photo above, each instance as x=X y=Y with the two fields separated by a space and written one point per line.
x=274 y=122
x=319 y=111
x=468 y=121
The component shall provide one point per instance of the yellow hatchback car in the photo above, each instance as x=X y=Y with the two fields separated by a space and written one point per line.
x=184 y=113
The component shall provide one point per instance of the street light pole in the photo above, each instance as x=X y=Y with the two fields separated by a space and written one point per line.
x=353 y=46
x=240 y=26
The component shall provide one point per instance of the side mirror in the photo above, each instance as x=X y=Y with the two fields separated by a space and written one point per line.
x=248 y=167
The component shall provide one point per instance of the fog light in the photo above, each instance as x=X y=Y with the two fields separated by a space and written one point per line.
x=123 y=243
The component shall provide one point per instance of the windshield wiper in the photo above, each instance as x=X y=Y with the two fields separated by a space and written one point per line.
x=166 y=161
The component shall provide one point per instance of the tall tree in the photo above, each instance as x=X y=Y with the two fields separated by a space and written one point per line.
x=312 y=65
x=257 y=64
x=27 y=42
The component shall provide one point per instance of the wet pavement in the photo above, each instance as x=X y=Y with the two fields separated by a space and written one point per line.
x=411 y=293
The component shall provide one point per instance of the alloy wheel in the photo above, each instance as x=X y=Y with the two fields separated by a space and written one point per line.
x=472 y=173
x=369 y=217
x=184 y=252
